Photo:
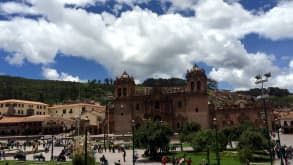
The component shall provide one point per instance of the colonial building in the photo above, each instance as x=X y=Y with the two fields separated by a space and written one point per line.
x=177 y=105
x=171 y=105
x=14 y=107
x=34 y=125
x=286 y=121
x=80 y=112
x=232 y=109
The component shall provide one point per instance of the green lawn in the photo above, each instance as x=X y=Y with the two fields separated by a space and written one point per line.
x=226 y=157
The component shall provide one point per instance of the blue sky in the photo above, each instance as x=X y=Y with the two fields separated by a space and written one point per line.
x=94 y=39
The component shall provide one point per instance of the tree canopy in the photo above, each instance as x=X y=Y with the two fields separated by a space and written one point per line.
x=153 y=135
x=52 y=92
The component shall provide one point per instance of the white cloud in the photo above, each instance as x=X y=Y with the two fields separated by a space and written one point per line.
x=146 y=44
x=14 y=7
x=15 y=59
x=52 y=74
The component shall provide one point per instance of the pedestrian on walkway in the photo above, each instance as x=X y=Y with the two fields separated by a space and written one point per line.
x=188 y=161
x=164 y=160
x=124 y=155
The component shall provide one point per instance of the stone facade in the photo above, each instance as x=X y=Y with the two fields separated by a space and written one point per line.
x=171 y=105
x=232 y=109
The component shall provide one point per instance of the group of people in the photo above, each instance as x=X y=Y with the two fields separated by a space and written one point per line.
x=177 y=161
x=283 y=152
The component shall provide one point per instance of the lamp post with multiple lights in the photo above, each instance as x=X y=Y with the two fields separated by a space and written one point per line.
x=217 y=150
x=278 y=127
x=261 y=79
x=85 y=141
x=133 y=154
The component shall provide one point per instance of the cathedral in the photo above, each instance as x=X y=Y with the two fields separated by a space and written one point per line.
x=176 y=105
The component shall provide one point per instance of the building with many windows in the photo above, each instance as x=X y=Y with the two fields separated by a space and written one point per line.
x=174 y=105
x=13 y=107
x=34 y=125
x=94 y=113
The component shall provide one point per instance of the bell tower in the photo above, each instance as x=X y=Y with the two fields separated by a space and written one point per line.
x=124 y=86
x=196 y=80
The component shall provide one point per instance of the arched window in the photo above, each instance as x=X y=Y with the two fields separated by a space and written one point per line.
x=192 y=86
x=198 y=85
x=124 y=92
x=119 y=92
x=157 y=105
x=179 y=104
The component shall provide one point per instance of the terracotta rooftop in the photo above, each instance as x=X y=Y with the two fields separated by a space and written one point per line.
x=35 y=118
x=285 y=115
x=21 y=101
x=100 y=107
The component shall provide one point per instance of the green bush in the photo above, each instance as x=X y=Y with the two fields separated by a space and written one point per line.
x=78 y=159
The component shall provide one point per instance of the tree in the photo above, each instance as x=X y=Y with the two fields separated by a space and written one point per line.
x=250 y=141
x=187 y=131
x=153 y=135
x=206 y=139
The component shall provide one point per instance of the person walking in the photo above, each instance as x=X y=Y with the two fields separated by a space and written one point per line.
x=124 y=155
x=164 y=160
x=188 y=161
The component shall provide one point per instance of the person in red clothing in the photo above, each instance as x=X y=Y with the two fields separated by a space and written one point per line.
x=188 y=161
x=164 y=160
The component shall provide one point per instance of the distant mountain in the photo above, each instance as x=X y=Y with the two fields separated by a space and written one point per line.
x=52 y=92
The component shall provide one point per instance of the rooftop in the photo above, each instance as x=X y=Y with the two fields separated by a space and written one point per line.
x=21 y=101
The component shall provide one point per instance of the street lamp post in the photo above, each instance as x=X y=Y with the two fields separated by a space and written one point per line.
x=279 y=140
x=85 y=141
x=52 y=149
x=133 y=154
x=261 y=80
x=217 y=150
x=105 y=137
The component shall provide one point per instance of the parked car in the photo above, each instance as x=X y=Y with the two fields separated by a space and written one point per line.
x=20 y=155
x=39 y=157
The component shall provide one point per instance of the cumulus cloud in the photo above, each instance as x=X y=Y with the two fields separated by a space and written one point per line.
x=52 y=74
x=146 y=44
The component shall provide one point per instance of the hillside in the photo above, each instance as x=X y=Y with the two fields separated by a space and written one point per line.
x=53 y=92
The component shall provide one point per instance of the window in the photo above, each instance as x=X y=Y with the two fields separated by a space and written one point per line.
x=121 y=114
x=21 y=111
x=192 y=86
x=64 y=111
x=56 y=111
x=70 y=111
x=198 y=85
x=196 y=109
x=41 y=107
x=83 y=109
x=291 y=123
x=124 y=92
x=285 y=123
x=1 y=105
x=119 y=91
x=18 y=111
x=22 y=105
x=137 y=106
x=179 y=104
x=44 y=113
x=157 y=105
x=7 y=105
